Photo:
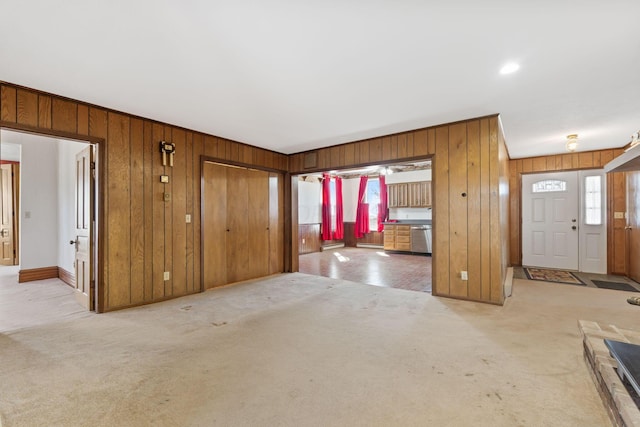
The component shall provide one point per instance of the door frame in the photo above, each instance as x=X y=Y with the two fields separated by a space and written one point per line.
x=98 y=256
x=580 y=174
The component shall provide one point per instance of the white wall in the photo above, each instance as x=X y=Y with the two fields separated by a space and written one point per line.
x=309 y=202
x=410 y=176
x=67 y=151
x=38 y=200
x=350 y=189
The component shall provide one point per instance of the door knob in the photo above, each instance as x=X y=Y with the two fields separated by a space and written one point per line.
x=574 y=227
x=573 y=220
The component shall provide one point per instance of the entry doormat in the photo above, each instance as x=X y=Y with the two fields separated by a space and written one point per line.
x=618 y=286
x=557 y=276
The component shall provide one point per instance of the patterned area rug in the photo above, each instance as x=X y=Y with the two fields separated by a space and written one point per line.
x=557 y=276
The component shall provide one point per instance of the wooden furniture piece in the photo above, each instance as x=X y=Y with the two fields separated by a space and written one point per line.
x=397 y=237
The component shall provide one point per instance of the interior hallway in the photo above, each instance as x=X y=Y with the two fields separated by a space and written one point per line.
x=297 y=350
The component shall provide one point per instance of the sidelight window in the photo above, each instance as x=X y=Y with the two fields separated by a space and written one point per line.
x=593 y=200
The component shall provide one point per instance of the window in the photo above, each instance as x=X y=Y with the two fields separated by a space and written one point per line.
x=332 y=190
x=549 y=185
x=593 y=200
x=372 y=198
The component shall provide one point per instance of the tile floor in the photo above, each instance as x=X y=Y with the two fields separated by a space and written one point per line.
x=371 y=266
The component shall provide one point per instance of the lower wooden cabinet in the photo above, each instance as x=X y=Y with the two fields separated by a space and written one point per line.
x=397 y=237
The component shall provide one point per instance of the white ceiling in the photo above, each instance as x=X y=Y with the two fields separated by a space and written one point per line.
x=293 y=75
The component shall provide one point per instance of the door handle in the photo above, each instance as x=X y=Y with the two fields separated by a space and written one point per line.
x=4 y=232
x=73 y=242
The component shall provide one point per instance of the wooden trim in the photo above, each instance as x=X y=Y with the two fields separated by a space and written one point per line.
x=231 y=163
x=42 y=273
x=360 y=165
x=67 y=277
x=35 y=130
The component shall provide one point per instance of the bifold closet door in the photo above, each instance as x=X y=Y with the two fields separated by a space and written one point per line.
x=214 y=225
x=235 y=224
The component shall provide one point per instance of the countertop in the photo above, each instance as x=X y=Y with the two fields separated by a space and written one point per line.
x=409 y=222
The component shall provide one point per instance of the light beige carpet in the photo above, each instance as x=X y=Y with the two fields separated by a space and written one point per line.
x=299 y=350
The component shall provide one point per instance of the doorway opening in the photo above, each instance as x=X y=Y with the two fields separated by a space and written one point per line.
x=52 y=207
x=381 y=205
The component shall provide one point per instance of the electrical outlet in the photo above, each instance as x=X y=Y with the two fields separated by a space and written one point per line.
x=304 y=240
x=618 y=215
x=167 y=275
x=464 y=275
x=167 y=197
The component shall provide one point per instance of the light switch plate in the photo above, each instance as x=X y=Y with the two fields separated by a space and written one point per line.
x=164 y=179
x=618 y=215
x=464 y=275
x=188 y=218
x=167 y=275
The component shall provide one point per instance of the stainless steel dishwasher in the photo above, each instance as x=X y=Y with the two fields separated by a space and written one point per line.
x=421 y=239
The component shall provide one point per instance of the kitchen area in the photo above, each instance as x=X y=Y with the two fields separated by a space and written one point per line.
x=399 y=255
x=409 y=200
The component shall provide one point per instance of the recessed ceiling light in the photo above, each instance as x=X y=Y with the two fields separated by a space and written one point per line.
x=509 y=68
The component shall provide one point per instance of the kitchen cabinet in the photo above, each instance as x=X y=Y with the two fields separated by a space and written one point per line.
x=420 y=194
x=398 y=195
x=409 y=195
x=397 y=237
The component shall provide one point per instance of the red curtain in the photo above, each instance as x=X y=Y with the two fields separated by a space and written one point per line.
x=326 y=207
x=362 y=210
x=382 y=207
x=339 y=233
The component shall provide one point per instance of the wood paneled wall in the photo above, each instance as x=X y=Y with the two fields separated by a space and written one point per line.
x=470 y=231
x=141 y=236
x=616 y=199
x=309 y=238
x=371 y=238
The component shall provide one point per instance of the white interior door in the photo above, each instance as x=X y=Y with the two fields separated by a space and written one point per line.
x=550 y=220
x=592 y=229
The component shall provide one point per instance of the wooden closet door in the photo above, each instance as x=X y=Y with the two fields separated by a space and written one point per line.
x=258 y=224
x=214 y=225
x=633 y=225
x=237 y=224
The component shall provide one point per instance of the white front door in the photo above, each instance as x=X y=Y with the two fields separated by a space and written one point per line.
x=550 y=220
x=563 y=222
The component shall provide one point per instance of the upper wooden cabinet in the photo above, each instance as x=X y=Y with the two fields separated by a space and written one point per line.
x=409 y=195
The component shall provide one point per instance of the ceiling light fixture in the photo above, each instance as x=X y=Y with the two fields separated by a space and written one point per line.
x=509 y=68
x=572 y=142
x=635 y=139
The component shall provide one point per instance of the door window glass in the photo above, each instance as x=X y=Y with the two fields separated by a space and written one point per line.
x=549 y=185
